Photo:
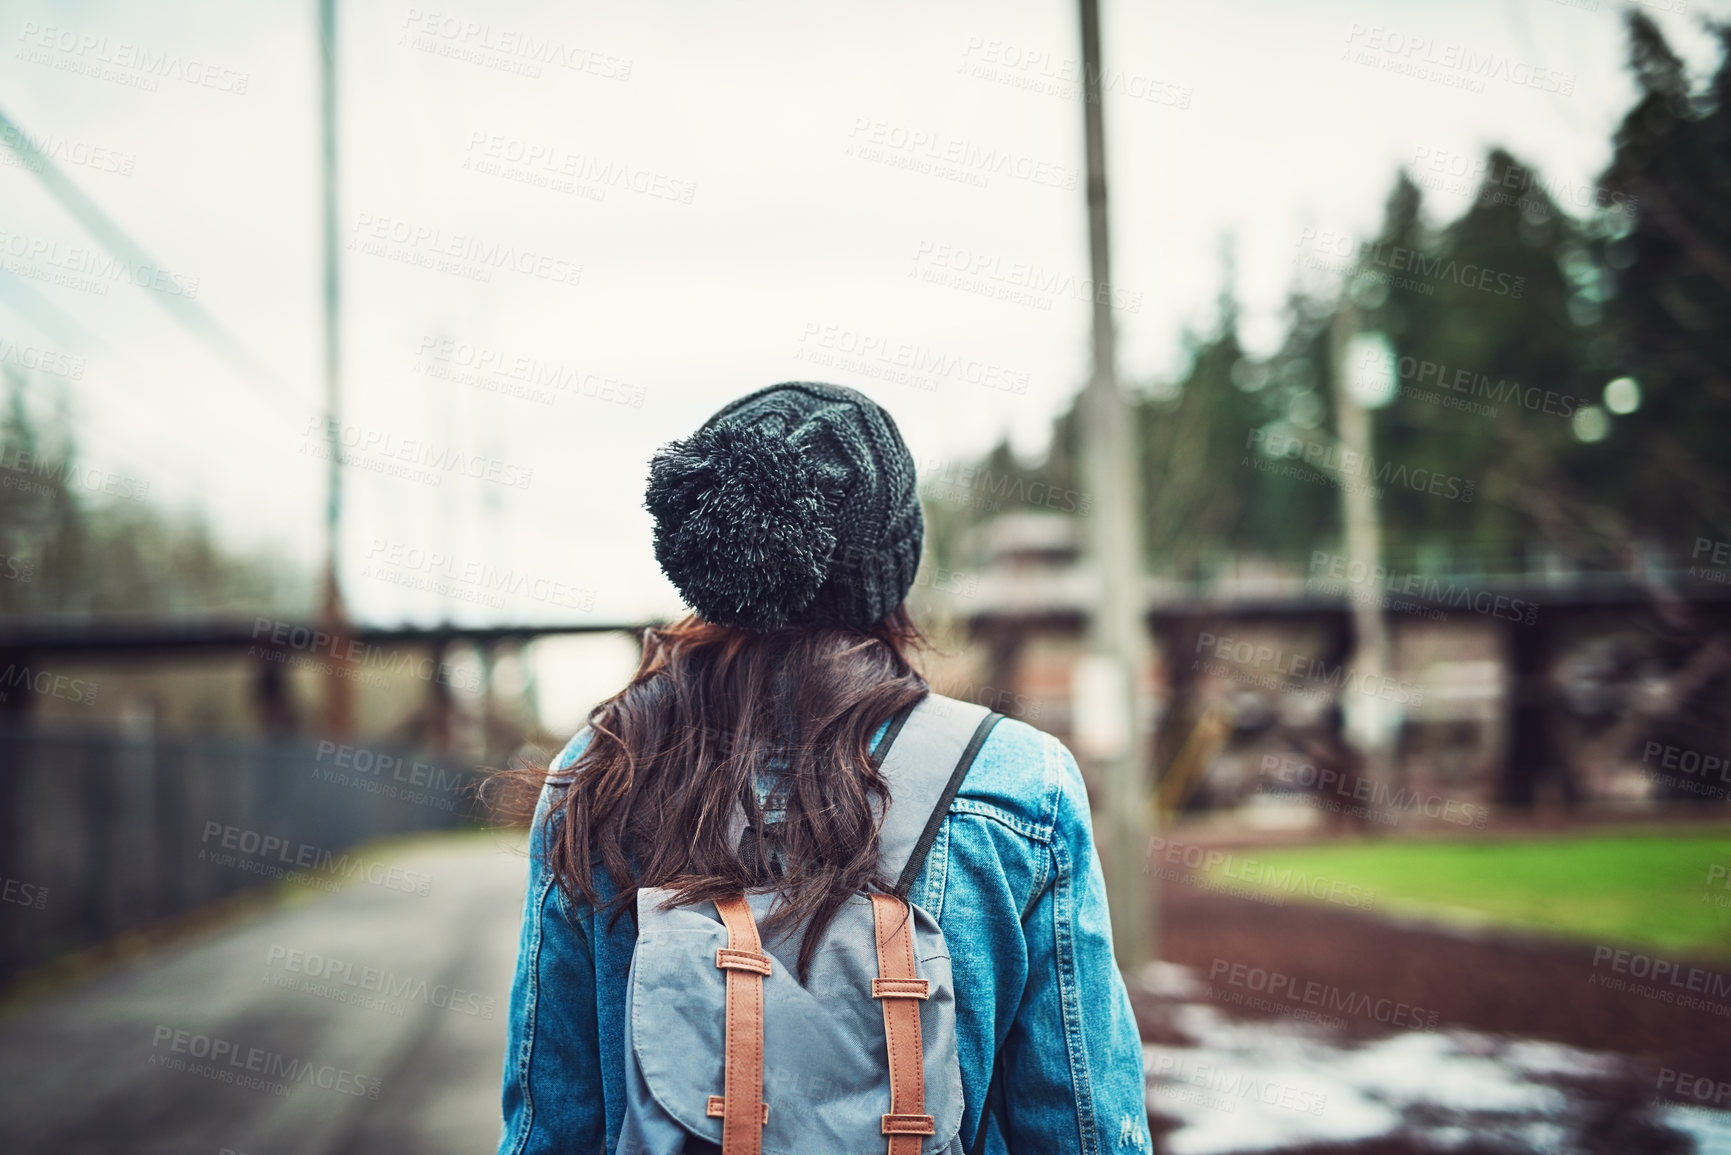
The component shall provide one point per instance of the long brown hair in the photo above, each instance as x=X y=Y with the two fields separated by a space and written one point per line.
x=709 y=708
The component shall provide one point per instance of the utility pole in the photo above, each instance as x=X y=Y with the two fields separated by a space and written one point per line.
x=1368 y=725
x=1109 y=679
x=339 y=690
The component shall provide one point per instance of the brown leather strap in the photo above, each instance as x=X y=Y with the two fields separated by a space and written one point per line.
x=900 y=988
x=743 y=1111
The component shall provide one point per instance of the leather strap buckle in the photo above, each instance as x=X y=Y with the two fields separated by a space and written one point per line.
x=909 y=1125
x=742 y=960
x=717 y=1108
x=883 y=988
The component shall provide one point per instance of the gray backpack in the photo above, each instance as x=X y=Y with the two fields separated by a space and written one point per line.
x=726 y=1051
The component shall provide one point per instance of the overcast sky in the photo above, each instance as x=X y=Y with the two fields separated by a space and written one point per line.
x=692 y=201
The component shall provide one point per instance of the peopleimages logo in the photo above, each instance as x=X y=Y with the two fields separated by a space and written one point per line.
x=1348 y=467
x=414 y=458
x=1180 y=1079
x=1018 y=282
x=945 y=481
x=1338 y=568
x=22 y=893
x=1457 y=65
x=1417 y=376
x=1717 y=552
x=40 y=360
x=930 y=151
x=1283 y=664
x=1691 y=762
x=463 y=254
x=1444 y=170
x=1701 y=1088
x=274 y=1072
x=19 y=676
x=346 y=981
x=123 y=61
x=902 y=362
x=1047 y=73
x=1291 y=988
x=512 y=373
x=1395 y=258
x=405 y=564
x=278 y=857
x=1251 y=875
x=389 y=776
x=31 y=151
x=68 y=473
x=1663 y=980
x=102 y=266
x=503 y=47
x=345 y=651
x=1379 y=796
x=1718 y=878
x=409 y=771
x=554 y=166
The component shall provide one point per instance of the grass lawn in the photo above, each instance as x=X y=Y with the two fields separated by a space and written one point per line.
x=1650 y=889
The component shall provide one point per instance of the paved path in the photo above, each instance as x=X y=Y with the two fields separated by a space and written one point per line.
x=325 y=1002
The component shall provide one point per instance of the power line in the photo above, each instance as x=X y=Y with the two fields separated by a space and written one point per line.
x=43 y=313
x=192 y=316
x=18 y=295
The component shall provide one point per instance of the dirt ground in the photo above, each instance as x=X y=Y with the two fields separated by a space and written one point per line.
x=1503 y=984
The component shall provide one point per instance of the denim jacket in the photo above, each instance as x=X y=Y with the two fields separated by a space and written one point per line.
x=1015 y=883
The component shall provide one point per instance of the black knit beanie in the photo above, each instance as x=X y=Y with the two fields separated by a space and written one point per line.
x=794 y=505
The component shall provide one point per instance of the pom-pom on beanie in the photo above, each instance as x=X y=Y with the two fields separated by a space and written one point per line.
x=794 y=505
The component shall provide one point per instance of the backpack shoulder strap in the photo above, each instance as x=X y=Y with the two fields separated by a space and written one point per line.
x=739 y=830
x=927 y=760
x=924 y=755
